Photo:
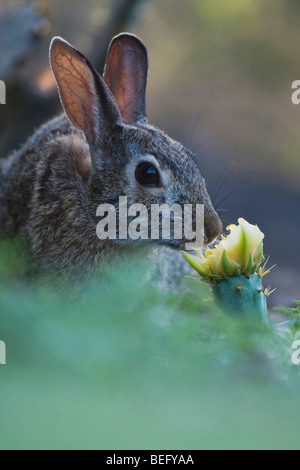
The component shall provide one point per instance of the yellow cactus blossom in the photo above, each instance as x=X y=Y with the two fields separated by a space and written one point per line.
x=241 y=252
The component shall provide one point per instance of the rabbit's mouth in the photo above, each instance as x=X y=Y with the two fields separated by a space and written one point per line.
x=184 y=244
x=213 y=227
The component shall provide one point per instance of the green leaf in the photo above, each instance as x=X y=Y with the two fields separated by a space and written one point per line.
x=194 y=262
x=259 y=253
x=216 y=276
x=249 y=266
x=227 y=267
x=243 y=248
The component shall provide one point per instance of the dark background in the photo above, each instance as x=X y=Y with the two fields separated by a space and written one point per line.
x=220 y=82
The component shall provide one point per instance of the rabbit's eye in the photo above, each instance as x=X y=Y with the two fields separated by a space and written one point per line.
x=147 y=175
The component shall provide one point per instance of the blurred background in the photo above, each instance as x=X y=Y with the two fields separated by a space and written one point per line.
x=220 y=82
x=126 y=365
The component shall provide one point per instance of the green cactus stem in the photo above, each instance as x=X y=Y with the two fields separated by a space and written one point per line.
x=243 y=296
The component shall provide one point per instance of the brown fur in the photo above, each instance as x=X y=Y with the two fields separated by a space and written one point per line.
x=50 y=189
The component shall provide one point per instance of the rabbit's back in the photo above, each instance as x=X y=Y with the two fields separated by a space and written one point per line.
x=18 y=175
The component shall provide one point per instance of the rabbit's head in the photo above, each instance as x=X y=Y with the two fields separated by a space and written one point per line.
x=126 y=155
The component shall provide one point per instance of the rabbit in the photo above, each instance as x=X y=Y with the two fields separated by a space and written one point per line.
x=100 y=148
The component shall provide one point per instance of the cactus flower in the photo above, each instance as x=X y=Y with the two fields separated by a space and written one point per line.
x=241 y=252
x=234 y=269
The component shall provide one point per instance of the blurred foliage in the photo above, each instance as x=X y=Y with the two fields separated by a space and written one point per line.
x=235 y=58
x=124 y=365
x=293 y=314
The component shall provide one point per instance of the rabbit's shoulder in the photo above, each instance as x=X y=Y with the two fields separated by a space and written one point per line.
x=47 y=152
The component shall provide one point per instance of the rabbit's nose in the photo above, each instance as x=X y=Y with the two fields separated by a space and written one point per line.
x=213 y=226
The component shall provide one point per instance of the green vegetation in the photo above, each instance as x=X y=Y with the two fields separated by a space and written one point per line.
x=293 y=314
x=125 y=365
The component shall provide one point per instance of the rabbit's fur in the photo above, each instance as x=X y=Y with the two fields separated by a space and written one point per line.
x=50 y=189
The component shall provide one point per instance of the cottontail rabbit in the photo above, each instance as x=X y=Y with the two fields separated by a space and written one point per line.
x=101 y=148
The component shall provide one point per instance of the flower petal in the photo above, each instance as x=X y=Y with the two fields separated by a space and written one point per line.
x=241 y=252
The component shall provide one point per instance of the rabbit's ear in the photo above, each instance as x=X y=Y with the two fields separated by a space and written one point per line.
x=85 y=97
x=126 y=74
